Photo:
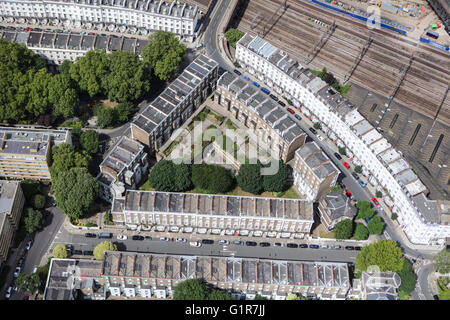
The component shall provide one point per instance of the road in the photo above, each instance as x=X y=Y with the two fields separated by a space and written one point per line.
x=423 y=290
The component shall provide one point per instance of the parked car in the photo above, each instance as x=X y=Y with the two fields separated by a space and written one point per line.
x=8 y=293
x=237 y=72
x=148 y=238
x=337 y=247
x=320 y=138
x=199 y=46
x=290 y=111
x=35 y=269
x=348 y=193
x=346 y=165
x=245 y=77
x=88 y=253
x=274 y=97
x=325 y=246
x=77 y=252
x=90 y=235
x=303 y=245
x=224 y=242
x=375 y=201
x=292 y=245
x=180 y=240
x=105 y=235
x=338 y=156
x=349 y=248
x=122 y=237
x=136 y=237
x=91 y=33
x=28 y=246
x=250 y=243
x=195 y=244
x=298 y=117
x=164 y=239
x=20 y=262
x=265 y=90
x=355 y=175
x=362 y=184
x=281 y=103
x=207 y=241
x=314 y=246
x=312 y=130
x=256 y=84
x=238 y=242
x=357 y=248
x=264 y=244
x=17 y=272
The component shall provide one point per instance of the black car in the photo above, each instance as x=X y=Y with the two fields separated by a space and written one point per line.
x=250 y=243
x=292 y=245
x=273 y=97
x=207 y=241
x=313 y=130
x=264 y=244
x=237 y=72
x=148 y=238
x=77 y=252
x=338 y=156
x=303 y=245
x=88 y=253
x=298 y=117
x=19 y=264
x=90 y=235
x=355 y=175
x=281 y=103
x=358 y=248
x=349 y=248
x=137 y=238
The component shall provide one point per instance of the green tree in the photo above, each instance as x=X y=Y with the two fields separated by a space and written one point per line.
x=294 y=296
x=408 y=277
x=39 y=201
x=317 y=125
x=182 y=177
x=445 y=295
x=38 y=93
x=276 y=182
x=259 y=297
x=394 y=216
x=129 y=77
x=60 y=251
x=361 y=232
x=249 y=178
x=30 y=188
x=164 y=53
x=106 y=117
x=75 y=191
x=161 y=176
x=33 y=220
x=218 y=294
x=64 y=68
x=191 y=289
x=378 y=194
x=384 y=253
x=99 y=250
x=342 y=151
x=89 y=141
x=91 y=71
x=28 y=282
x=124 y=111
x=206 y=176
x=442 y=261
x=65 y=157
x=344 y=229
x=364 y=210
x=233 y=36
x=358 y=169
x=63 y=96
x=375 y=225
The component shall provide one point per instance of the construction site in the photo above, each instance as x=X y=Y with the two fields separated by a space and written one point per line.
x=399 y=85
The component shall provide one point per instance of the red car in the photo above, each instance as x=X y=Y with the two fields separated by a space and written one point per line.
x=348 y=193
x=346 y=165
x=28 y=29
x=374 y=200
x=290 y=110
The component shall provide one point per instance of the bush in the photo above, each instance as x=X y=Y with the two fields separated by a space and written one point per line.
x=378 y=194
x=39 y=201
x=342 y=151
x=358 y=169
x=233 y=36
x=394 y=216
x=317 y=125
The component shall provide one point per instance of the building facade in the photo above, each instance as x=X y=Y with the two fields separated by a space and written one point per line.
x=11 y=205
x=335 y=207
x=314 y=173
x=25 y=152
x=385 y=168
x=111 y=15
x=57 y=47
x=154 y=126
x=274 y=129
x=122 y=168
x=216 y=214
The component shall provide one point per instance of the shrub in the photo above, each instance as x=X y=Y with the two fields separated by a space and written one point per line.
x=39 y=201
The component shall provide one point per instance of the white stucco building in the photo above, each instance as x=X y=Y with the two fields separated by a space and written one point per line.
x=385 y=167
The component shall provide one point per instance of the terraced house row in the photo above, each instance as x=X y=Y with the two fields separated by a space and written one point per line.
x=155 y=275
x=57 y=47
x=147 y=14
x=387 y=170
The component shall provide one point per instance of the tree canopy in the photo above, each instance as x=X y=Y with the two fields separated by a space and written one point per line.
x=28 y=282
x=164 y=52
x=344 y=229
x=33 y=220
x=63 y=96
x=60 y=251
x=167 y=176
x=196 y=289
x=364 y=210
x=442 y=261
x=361 y=232
x=249 y=178
x=233 y=36
x=375 y=225
x=99 y=250
x=30 y=188
x=211 y=178
x=89 y=141
x=39 y=201
x=75 y=191
x=408 y=278
x=278 y=181
x=65 y=157
x=384 y=253
x=294 y=296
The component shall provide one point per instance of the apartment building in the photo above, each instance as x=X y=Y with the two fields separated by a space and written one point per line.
x=216 y=214
x=122 y=168
x=25 y=151
x=154 y=126
x=314 y=173
x=57 y=47
x=385 y=167
x=335 y=207
x=11 y=205
x=274 y=130
x=376 y=286
x=105 y=14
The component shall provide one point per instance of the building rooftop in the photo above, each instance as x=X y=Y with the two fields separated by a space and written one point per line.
x=317 y=161
x=7 y=191
x=338 y=204
x=380 y=285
